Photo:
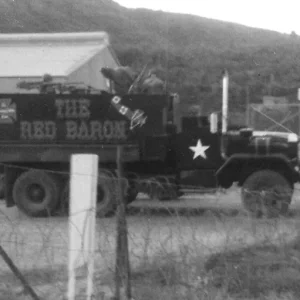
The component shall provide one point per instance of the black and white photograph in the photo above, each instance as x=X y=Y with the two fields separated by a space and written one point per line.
x=149 y=150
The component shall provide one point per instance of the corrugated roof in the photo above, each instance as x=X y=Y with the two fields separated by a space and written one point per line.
x=58 y=54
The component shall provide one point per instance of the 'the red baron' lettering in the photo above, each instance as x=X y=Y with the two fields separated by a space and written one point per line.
x=74 y=130
x=95 y=130
x=38 y=130
x=73 y=108
x=73 y=116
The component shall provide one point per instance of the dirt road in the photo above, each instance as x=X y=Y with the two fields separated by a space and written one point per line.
x=228 y=201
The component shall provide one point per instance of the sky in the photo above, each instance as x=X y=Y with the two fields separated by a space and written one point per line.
x=278 y=15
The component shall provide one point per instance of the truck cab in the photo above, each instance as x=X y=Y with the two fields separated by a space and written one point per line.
x=260 y=162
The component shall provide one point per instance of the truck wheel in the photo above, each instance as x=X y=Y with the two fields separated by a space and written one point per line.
x=2 y=186
x=131 y=195
x=267 y=193
x=63 y=208
x=36 y=193
x=106 y=196
x=164 y=189
x=132 y=190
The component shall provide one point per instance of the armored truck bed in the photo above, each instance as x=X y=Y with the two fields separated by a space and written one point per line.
x=49 y=128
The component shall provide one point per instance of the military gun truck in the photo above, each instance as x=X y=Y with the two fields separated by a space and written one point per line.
x=39 y=133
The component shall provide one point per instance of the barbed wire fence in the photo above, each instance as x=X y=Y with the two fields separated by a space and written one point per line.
x=194 y=246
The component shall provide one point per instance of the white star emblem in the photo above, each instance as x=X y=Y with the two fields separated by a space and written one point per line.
x=199 y=150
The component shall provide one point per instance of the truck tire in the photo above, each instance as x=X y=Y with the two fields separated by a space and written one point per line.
x=131 y=195
x=132 y=189
x=2 y=186
x=268 y=193
x=36 y=193
x=106 y=196
x=63 y=208
x=164 y=189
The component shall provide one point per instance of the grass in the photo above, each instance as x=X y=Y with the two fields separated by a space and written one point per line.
x=256 y=271
x=251 y=273
x=266 y=269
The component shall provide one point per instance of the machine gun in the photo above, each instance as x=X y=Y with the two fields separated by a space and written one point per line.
x=58 y=87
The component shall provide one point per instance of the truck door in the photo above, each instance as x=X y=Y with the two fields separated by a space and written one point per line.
x=198 y=154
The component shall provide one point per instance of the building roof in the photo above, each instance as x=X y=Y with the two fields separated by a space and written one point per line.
x=57 y=54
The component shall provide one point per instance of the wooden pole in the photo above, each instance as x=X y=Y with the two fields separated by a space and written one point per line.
x=122 y=273
x=225 y=102
x=18 y=274
x=247 y=106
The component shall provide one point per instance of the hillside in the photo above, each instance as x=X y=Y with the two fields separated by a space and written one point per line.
x=192 y=51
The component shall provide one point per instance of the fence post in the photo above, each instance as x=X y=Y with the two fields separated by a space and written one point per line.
x=82 y=219
x=122 y=272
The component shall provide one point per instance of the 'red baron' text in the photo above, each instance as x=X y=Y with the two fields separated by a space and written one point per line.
x=75 y=116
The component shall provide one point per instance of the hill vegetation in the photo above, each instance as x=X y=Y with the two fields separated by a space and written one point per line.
x=190 y=52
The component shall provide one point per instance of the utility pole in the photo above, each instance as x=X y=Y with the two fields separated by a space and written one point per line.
x=247 y=106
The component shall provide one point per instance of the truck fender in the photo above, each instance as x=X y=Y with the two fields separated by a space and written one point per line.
x=239 y=166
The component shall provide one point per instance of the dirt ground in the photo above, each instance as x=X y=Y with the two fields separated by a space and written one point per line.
x=206 y=223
